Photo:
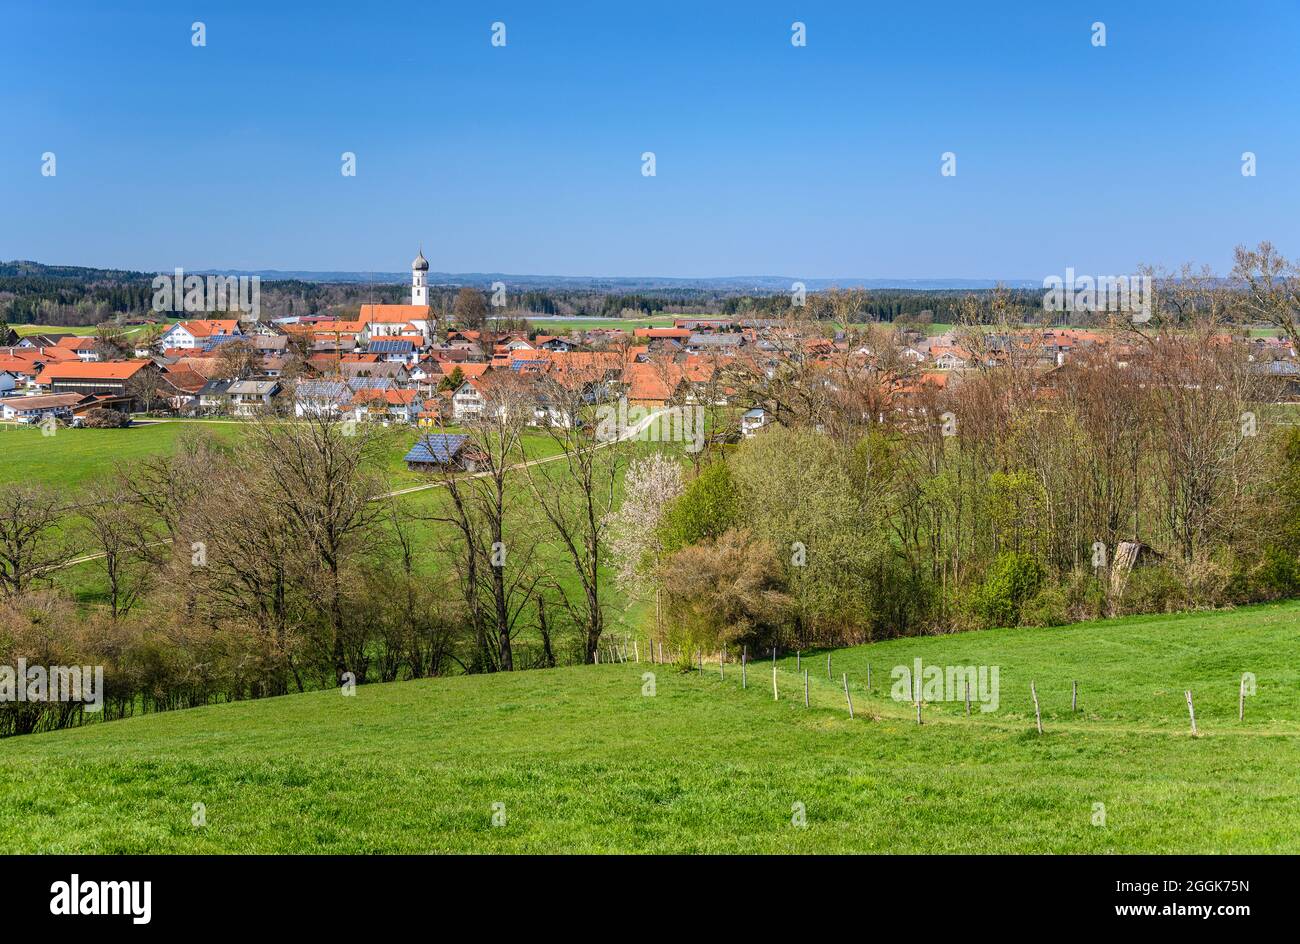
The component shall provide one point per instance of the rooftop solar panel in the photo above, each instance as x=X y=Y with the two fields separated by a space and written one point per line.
x=436 y=447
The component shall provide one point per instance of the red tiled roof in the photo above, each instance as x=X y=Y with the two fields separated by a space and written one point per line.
x=108 y=370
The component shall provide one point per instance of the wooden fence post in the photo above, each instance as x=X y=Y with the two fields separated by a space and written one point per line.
x=1074 y=696
x=847 y=695
x=918 y=711
x=744 y=674
x=636 y=647
x=798 y=659
x=967 y=698
x=1038 y=716
x=722 y=664
x=868 y=676
x=775 y=697
x=829 y=677
x=1191 y=711
x=805 y=688
x=1241 y=699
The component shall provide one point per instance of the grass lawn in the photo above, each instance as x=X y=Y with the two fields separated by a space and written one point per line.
x=74 y=456
x=584 y=762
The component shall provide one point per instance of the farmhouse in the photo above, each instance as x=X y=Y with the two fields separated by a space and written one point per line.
x=34 y=409
x=110 y=377
x=321 y=397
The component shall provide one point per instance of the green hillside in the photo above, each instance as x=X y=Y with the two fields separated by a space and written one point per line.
x=584 y=762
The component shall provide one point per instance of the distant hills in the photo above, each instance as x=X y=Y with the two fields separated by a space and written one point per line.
x=764 y=284
x=633 y=283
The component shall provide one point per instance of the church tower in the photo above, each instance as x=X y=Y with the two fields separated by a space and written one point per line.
x=420 y=280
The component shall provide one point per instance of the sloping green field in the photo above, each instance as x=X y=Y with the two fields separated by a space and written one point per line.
x=581 y=760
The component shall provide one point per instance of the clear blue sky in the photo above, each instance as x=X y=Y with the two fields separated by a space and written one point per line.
x=809 y=162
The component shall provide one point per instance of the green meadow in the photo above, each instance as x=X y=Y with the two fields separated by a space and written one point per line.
x=585 y=759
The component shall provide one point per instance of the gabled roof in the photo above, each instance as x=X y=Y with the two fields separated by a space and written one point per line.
x=106 y=370
x=48 y=401
x=183 y=379
x=389 y=396
x=437 y=447
x=207 y=327
x=215 y=388
x=76 y=342
x=393 y=314
x=333 y=390
x=256 y=388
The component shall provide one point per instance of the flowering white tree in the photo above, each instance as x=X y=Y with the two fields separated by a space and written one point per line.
x=634 y=546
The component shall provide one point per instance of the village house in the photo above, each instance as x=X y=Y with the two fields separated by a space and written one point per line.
x=249 y=397
x=321 y=398
x=752 y=421
x=468 y=400
x=83 y=347
x=34 y=409
x=387 y=406
x=111 y=378
x=188 y=335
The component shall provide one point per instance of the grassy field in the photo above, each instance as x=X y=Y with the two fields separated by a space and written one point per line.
x=80 y=330
x=582 y=761
x=71 y=457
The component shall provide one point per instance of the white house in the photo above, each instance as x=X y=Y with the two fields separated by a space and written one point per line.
x=467 y=402
x=753 y=421
x=321 y=397
x=36 y=408
x=188 y=335
x=251 y=396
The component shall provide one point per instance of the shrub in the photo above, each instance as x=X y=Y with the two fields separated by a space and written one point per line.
x=729 y=592
x=1013 y=578
x=706 y=509
x=1085 y=596
x=1153 y=589
x=101 y=418
x=1278 y=573
x=1048 y=607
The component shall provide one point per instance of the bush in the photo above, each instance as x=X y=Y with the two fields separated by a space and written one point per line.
x=1085 y=596
x=1278 y=573
x=730 y=592
x=100 y=418
x=1048 y=607
x=1153 y=589
x=706 y=509
x=1013 y=578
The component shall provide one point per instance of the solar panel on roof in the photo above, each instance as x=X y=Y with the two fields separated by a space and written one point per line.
x=436 y=447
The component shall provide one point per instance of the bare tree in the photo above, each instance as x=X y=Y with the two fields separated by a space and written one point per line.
x=30 y=544
x=316 y=472
x=496 y=543
x=1272 y=288
x=577 y=494
x=121 y=535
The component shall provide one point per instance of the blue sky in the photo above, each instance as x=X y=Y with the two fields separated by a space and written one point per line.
x=822 y=161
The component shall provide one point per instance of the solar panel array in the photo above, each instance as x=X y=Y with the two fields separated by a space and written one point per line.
x=390 y=346
x=436 y=447
x=218 y=340
x=370 y=383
